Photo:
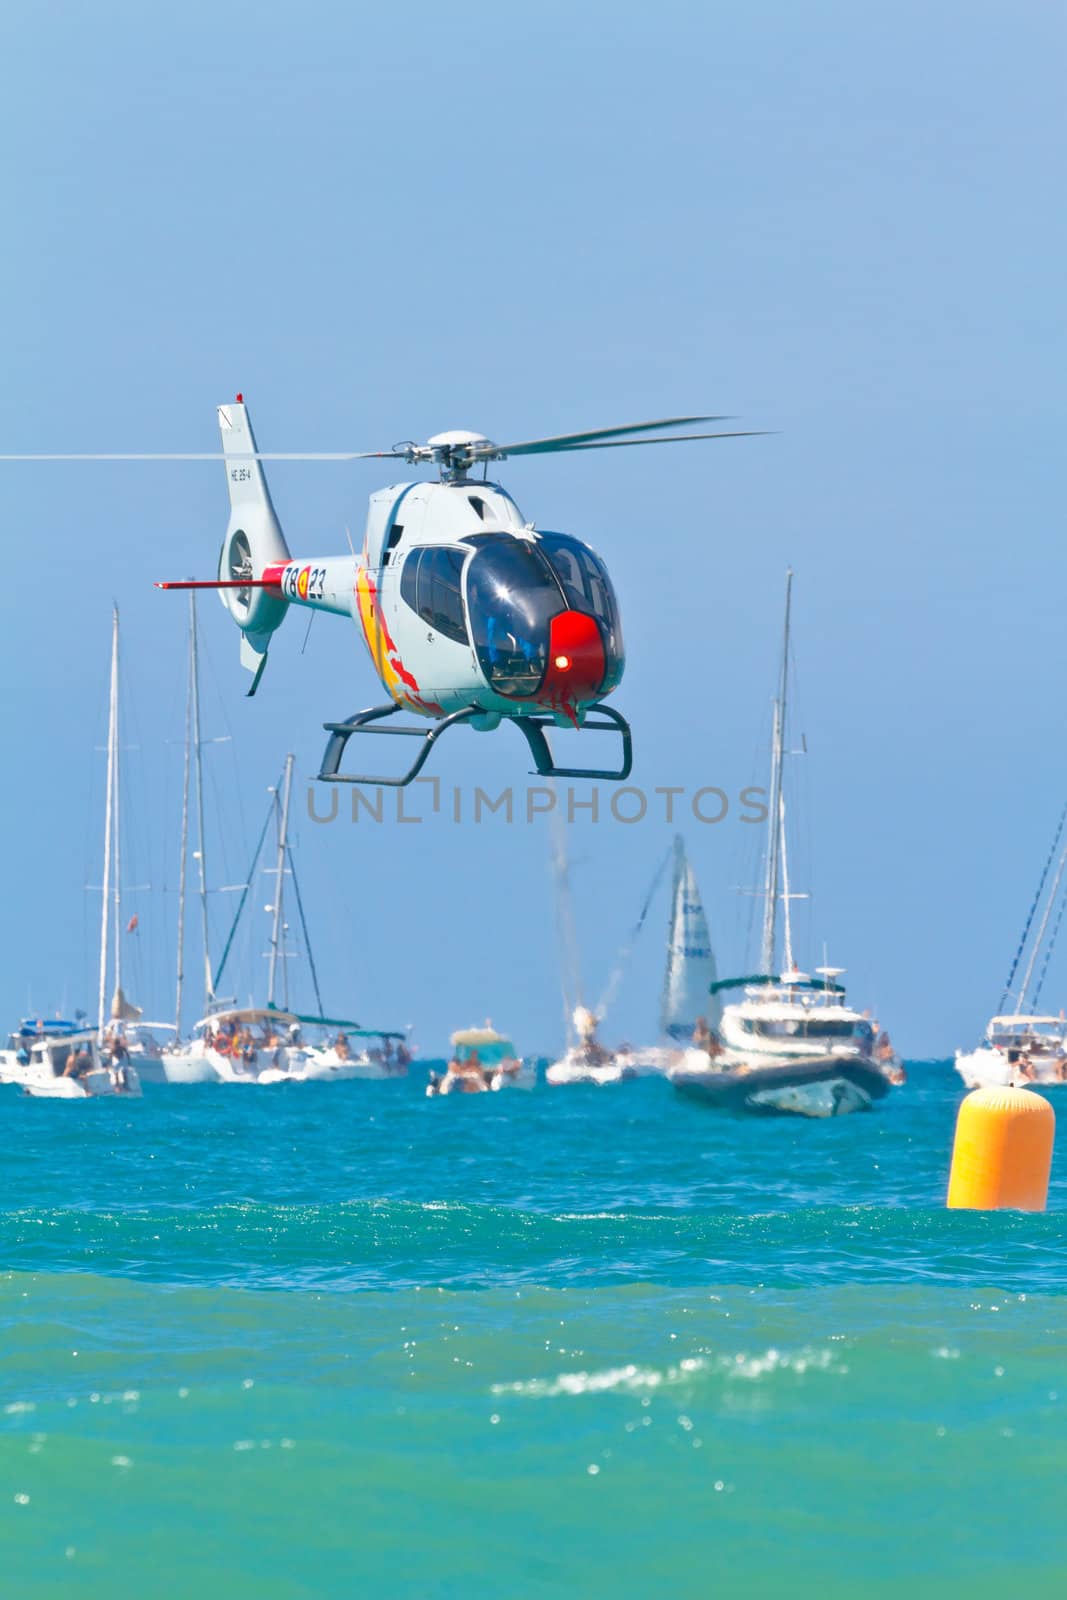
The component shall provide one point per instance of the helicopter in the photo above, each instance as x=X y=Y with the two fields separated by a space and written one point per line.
x=471 y=614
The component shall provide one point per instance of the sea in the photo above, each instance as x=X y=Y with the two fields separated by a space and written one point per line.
x=331 y=1340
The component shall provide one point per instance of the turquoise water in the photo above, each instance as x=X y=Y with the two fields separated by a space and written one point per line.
x=326 y=1340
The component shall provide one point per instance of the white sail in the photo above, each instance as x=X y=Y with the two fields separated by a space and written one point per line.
x=690 y=961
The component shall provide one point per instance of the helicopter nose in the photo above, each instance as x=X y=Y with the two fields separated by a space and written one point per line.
x=576 y=661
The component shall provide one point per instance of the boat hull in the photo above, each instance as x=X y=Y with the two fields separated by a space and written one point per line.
x=177 y=1067
x=987 y=1068
x=824 y=1087
x=572 y=1069
x=93 y=1086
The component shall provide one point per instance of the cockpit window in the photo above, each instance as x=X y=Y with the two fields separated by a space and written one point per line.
x=583 y=576
x=431 y=585
x=586 y=584
x=512 y=595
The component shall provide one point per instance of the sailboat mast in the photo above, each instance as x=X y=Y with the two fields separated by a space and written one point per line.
x=116 y=809
x=1039 y=937
x=105 y=896
x=570 y=964
x=787 y=915
x=198 y=769
x=185 y=828
x=665 y=1018
x=278 y=926
x=774 y=810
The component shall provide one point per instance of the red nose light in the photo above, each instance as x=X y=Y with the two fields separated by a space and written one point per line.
x=576 y=662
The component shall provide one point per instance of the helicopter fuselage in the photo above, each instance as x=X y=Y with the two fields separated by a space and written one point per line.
x=462 y=603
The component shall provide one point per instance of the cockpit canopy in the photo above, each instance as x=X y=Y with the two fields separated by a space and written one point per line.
x=513 y=588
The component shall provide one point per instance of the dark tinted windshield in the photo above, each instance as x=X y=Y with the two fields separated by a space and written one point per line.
x=583 y=576
x=585 y=582
x=512 y=596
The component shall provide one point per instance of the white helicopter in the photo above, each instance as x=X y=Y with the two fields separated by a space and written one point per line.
x=471 y=614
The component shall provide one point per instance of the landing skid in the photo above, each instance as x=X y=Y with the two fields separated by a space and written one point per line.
x=532 y=729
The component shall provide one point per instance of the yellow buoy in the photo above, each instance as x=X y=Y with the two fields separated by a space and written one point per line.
x=1002 y=1154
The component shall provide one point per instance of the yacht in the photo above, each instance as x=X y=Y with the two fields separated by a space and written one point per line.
x=1022 y=1045
x=790 y=1044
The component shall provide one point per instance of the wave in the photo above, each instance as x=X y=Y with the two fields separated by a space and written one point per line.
x=399 y=1244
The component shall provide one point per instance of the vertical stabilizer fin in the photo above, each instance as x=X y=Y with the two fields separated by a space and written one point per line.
x=254 y=540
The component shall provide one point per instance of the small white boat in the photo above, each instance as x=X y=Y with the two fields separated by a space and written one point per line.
x=60 y=1061
x=1017 y=1049
x=483 y=1062
x=1021 y=1045
x=588 y=1061
x=357 y=1053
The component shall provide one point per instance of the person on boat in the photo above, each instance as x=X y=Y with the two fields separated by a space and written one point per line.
x=403 y=1055
x=590 y=1050
x=704 y=1038
x=79 y=1063
x=466 y=1075
x=118 y=1050
x=341 y=1046
x=22 y=1055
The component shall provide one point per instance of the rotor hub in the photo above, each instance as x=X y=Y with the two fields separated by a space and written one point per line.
x=456 y=451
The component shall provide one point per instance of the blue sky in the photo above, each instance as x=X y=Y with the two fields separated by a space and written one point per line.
x=840 y=223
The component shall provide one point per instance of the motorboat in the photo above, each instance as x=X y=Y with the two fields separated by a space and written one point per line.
x=356 y=1052
x=818 y=1086
x=791 y=1046
x=61 y=1060
x=483 y=1062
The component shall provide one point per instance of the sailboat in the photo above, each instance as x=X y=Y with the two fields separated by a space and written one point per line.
x=688 y=997
x=585 y=1059
x=1022 y=1045
x=791 y=1044
x=71 y=1060
x=266 y=1044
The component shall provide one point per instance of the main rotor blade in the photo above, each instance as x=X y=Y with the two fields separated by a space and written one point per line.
x=246 y=455
x=565 y=441
x=671 y=438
